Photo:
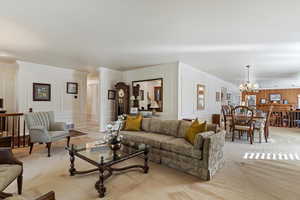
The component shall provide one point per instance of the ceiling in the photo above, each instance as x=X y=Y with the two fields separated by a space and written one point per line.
x=219 y=37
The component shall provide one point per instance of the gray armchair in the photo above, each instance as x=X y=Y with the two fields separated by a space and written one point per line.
x=43 y=129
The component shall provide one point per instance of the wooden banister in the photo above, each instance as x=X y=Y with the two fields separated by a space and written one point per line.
x=10 y=126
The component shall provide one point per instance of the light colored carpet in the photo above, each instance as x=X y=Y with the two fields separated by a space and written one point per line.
x=239 y=179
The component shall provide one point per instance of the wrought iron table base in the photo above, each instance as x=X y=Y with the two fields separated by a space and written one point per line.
x=107 y=167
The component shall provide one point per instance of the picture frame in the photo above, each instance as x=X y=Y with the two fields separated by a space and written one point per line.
x=263 y=101
x=41 y=92
x=111 y=95
x=72 y=88
x=223 y=94
x=251 y=100
x=275 y=97
x=200 y=97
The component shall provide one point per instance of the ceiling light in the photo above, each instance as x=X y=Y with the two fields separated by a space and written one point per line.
x=248 y=86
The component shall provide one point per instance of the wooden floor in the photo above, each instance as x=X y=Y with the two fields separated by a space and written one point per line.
x=240 y=179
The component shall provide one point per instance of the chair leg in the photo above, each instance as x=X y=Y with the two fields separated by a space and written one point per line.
x=259 y=136
x=31 y=147
x=68 y=141
x=266 y=134
x=20 y=183
x=49 y=148
x=251 y=136
x=232 y=135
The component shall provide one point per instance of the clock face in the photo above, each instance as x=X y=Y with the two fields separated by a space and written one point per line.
x=121 y=93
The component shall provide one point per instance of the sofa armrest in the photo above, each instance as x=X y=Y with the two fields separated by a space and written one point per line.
x=213 y=153
x=7 y=157
x=199 y=139
x=58 y=126
x=39 y=134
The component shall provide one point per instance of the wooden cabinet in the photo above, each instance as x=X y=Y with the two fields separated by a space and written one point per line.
x=2 y=121
x=216 y=119
x=122 y=99
x=276 y=107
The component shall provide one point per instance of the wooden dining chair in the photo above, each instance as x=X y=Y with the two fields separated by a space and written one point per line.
x=264 y=124
x=242 y=121
x=267 y=124
x=227 y=120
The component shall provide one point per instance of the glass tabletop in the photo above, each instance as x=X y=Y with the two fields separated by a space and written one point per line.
x=97 y=150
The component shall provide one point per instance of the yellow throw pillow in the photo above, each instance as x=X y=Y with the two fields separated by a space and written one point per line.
x=195 y=128
x=133 y=123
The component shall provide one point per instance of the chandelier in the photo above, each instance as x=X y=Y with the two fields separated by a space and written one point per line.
x=248 y=86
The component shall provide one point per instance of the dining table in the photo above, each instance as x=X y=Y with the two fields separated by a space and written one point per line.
x=258 y=118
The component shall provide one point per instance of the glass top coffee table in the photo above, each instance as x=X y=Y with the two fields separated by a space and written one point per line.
x=103 y=158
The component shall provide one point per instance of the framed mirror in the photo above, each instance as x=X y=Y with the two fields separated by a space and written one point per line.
x=147 y=95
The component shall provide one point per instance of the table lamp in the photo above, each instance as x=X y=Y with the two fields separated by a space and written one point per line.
x=154 y=106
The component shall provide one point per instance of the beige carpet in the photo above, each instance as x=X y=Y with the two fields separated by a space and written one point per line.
x=239 y=180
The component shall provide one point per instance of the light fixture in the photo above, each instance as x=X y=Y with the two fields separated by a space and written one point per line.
x=248 y=86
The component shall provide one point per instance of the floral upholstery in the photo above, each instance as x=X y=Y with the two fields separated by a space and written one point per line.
x=168 y=147
x=146 y=124
x=155 y=125
x=181 y=147
x=169 y=127
x=15 y=197
x=153 y=139
x=8 y=174
x=183 y=127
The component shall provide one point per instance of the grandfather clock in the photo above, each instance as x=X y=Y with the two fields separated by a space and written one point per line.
x=122 y=99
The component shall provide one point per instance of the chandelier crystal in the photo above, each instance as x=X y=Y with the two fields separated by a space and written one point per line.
x=248 y=86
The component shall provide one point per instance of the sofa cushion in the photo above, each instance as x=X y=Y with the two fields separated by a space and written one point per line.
x=15 y=197
x=155 y=125
x=183 y=127
x=133 y=123
x=195 y=128
x=152 y=139
x=8 y=174
x=146 y=124
x=58 y=135
x=181 y=147
x=169 y=127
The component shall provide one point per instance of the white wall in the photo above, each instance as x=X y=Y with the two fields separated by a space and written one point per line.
x=8 y=74
x=107 y=80
x=188 y=79
x=93 y=97
x=280 y=83
x=169 y=73
x=65 y=106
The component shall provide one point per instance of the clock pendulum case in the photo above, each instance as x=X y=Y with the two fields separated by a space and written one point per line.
x=122 y=99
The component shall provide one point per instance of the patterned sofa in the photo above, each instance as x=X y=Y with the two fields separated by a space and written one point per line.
x=168 y=146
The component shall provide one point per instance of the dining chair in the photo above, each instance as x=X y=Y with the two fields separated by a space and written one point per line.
x=242 y=121
x=226 y=110
x=267 y=124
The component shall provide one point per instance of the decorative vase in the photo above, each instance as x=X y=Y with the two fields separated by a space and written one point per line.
x=115 y=146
